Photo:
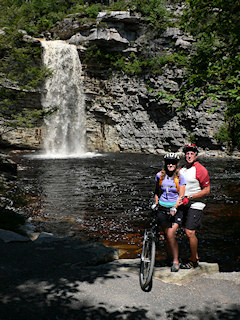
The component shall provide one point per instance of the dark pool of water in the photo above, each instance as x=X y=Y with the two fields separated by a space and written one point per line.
x=107 y=198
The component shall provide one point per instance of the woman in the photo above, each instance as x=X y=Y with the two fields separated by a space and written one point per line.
x=169 y=190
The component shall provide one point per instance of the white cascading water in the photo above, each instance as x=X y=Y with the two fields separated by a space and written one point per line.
x=64 y=130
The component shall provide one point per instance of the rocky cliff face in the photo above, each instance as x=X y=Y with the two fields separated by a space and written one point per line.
x=21 y=137
x=123 y=114
x=132 y=113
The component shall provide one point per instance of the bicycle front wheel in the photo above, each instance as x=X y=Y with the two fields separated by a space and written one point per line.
x=147 y=261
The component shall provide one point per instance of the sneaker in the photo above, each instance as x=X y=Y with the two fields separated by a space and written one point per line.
x=175 y=267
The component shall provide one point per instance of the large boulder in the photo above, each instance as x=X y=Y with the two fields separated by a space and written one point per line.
x=113 y=30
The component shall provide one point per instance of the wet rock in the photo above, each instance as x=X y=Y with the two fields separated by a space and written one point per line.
x=30 y=39
x=7 y=166
x=10 y=219
x=45 y=237
x=88 y=253
x=10 y=236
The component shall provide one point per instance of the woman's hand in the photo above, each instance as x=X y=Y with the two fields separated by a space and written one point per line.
x=179 y=202
x=173 y=211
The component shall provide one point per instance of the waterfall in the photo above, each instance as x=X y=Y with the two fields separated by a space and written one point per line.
x=64 y=130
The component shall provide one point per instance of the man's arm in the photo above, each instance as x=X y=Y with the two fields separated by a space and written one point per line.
x=204 y=181
x=204 y=192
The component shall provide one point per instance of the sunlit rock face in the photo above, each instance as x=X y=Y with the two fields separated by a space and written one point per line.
x=122 y=114
x=115 y=30
x=134 y=113
x=132 y=120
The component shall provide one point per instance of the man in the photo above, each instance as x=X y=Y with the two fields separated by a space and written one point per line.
x=197 y=187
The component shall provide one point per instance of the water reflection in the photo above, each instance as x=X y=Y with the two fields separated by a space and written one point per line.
x=108 y=198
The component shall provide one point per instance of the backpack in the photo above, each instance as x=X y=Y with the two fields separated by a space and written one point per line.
x=176 y=180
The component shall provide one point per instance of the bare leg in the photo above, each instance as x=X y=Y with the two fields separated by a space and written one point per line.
x=171 y=233
x=193 y=241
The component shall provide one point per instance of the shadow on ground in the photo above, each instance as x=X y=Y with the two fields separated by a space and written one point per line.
x=43 y=281
x=232 y=312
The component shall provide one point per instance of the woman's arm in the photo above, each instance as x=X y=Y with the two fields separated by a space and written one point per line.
x=156 y=198
x=156 y=192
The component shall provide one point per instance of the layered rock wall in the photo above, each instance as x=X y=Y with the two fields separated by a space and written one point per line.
x=125 y=112
x=132 y=113
x=122 y=115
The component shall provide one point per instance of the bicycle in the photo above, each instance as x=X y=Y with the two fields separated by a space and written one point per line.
x=147 y=261
x=148 y=254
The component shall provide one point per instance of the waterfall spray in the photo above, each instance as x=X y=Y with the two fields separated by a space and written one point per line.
x=64 y=130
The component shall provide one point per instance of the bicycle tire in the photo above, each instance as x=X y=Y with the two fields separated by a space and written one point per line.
x=147 y=261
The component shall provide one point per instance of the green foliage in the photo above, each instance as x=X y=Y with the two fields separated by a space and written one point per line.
x=92 y=11
x=20 y=61
x=223 y=135
x=217 y=16
x=120 y=5
x=191 y=137
x=20 y=71
x=132 y=64
x=214 y=66
x=36 y=15
x=154 y=11
x=163 y=94
x=21 y=68
x=14 y=115
x=27 y=118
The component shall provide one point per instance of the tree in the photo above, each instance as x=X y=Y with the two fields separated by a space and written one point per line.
x=21 y=74
x=214 y=68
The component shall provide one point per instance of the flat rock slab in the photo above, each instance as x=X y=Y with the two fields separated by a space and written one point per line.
x=10 y=236
x=164 y=273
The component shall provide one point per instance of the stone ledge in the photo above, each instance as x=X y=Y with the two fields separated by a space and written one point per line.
x=164 y=273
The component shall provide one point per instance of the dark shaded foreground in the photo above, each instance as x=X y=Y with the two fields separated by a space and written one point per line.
x=61 y=280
